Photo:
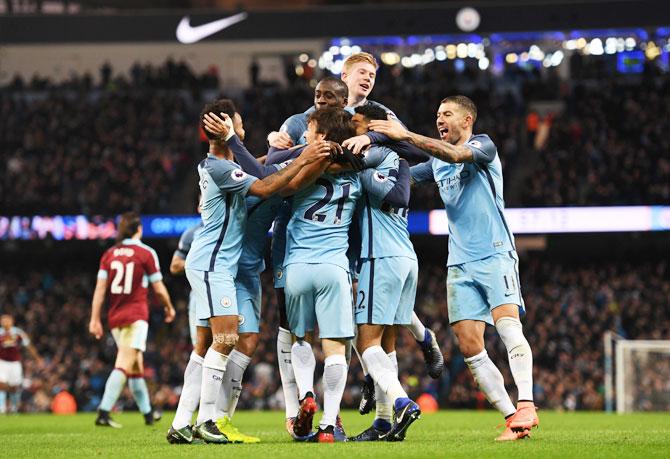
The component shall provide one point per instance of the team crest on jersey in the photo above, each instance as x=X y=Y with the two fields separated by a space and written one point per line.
x=240 y=319
x=475 y=143
x=226 y=302
x=238 y=175
x=280 y=274
x=379 y=177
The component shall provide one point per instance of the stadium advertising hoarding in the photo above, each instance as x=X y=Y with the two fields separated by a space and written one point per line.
x=541 y=220
x=364 y=20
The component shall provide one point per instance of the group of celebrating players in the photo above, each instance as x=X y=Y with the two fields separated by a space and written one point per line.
x=334 y=187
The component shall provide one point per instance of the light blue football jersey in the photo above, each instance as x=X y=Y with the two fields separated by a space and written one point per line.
x=186 y=240
x=296 y=125
x=223 y=187
x=383 y=229
x=473 y=198
x=322 y=212
x=260 y=215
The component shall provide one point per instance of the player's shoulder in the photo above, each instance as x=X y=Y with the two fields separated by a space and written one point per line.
x=388 y=111
x=17 y=331
x=481 y=141
x=221 y=169
x=298 y=118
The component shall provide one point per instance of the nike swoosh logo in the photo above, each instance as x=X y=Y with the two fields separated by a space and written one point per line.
x=284 y=352
x=188 y=34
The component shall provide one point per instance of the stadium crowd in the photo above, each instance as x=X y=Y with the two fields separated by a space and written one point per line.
x=569 y=306
x=131 y=141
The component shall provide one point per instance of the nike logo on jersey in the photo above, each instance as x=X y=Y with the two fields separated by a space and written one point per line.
x=187 y=34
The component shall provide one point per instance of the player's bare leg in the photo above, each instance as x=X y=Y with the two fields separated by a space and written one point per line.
x=231 y=388
x=470 y=335
x=520 y=357
x=334 y=381
x=181 y=430
x=384 y=372
x=224 y=339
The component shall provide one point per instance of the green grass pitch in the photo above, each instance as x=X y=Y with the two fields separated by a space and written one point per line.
x=465 y=434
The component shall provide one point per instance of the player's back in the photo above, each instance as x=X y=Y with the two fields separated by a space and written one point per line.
x=11 y=342
x=223 y=187
x=128 y=266
x=322 y=212
x=472 y=195
x=260 y=215
x=383 y=228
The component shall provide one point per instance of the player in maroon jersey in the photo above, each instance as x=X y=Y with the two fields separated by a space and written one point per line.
x=12 y=339
x=126 y=270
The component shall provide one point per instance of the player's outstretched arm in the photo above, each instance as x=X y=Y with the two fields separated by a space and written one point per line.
x=164 y=297
x=434 y=147
x=95 y=325
x=273 y=183
x=305 y=177
x=276 y=156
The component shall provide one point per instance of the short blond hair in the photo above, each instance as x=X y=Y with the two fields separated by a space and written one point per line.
x=358 y=58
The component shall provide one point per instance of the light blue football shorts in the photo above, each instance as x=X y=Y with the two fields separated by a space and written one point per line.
x=319 y=294
x=193 y=321
x=386 y=291
x=214 y=293
x=248 y=287
x=278 y=276
x=477 y=287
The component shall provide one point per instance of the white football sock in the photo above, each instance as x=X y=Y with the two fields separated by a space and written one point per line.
x=416 y=328
x=383 y=372
x=304 y=364
x=354 y=344
x=491 y=382
x=519 y=355
x=384 y=408
x=213 y=368
x=334 y=380
x=286 y=374
x=190 y=392
x=231 y=388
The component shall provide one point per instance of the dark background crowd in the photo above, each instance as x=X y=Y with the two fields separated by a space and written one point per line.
x=132 y=142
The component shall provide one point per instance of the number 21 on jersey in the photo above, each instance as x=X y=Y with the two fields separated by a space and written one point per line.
x=313 y=214
x=122 y=283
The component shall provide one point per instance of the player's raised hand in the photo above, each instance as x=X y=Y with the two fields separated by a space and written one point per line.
x=170 y=314
x=357 y=144
x=393 y=129
x=221 y=127
x=280 y=140
x=335 y=150
x=315 y=151
x=95 y=328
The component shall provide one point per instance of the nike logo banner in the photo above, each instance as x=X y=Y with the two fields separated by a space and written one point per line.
x=187 y=34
